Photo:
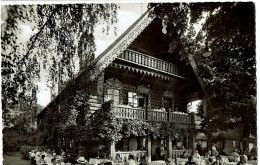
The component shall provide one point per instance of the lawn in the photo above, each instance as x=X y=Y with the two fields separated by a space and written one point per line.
x=14 y=158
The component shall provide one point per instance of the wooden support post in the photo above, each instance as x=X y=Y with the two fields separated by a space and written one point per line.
x=187 y=142
x=169 y=147
x=149 y=146
x=142 y=143
x=112 y=150
x=193 y=136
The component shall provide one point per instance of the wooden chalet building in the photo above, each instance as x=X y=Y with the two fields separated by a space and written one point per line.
x=145 y=83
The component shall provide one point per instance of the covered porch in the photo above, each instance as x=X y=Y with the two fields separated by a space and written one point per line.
x=154 y=148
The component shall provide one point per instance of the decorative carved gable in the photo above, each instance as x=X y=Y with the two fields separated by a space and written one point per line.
x=113 y=83
x=110 y=54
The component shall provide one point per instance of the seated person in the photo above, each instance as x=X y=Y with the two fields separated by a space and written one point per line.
x=210 y=161
x=208 y=154
x=219 y=161
x=243 y=160
x=245 y=154
x=223 y=153
x=190 y=161
x=214 y=153
x=131 y=160
x=169 y=161
x=184 y=155
x=163 y=153
x=144 y=161
x=118 y=160
x=108 y=158
x=82 y=160
x=196 y=155
x=234 y=156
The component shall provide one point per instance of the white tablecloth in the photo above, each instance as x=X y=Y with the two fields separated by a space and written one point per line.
x=181 y=161
x=234 y=163
x=95 y=161
x=158 y=162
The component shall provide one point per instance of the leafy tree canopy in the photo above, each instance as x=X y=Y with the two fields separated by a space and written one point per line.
x=63 y=33
x=222 y=54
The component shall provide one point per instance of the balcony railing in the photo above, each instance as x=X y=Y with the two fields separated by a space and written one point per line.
x=150 y=62
x=157 y=115
x=178 y=153
x=151 y=115
x=125 y=154
x=180 y=118
x=130 y=113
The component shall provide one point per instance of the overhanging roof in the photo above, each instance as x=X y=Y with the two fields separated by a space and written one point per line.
x=111 y=53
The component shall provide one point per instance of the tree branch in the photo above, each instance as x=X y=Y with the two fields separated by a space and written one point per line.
x=37 y=35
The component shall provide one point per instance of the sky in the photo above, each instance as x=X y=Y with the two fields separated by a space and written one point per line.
x=127 y=15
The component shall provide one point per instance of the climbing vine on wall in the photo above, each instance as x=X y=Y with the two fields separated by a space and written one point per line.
x=106 y=127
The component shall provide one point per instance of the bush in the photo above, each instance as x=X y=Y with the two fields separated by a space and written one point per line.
x=24 y=150
x=13 y=140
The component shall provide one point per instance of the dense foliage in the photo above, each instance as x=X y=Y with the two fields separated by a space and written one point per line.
x=62 y=36
x=222 y=54
x=106 y=127
x=13 y=139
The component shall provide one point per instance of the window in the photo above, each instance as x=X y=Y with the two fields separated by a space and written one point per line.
x=132 y=99
x=136 y=100
x=167 y=103
x=234 y=144
x=113 y=94
x=71 y=143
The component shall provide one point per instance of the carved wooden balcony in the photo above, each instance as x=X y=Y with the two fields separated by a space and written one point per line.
x=127 y=112
x=150 y=62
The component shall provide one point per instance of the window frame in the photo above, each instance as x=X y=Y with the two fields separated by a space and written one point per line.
x=111 y=95
x=135 y=99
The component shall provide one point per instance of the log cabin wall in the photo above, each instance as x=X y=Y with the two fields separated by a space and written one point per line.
x=156 y=98
x=63 y=104
x=93 y=88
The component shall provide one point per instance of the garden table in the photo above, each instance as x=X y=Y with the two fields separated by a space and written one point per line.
x=95 y=161
x=158 y=162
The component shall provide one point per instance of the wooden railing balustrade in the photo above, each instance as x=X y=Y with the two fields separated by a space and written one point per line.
x=149 y=61
x=137 y=154
x=178 y=153
x=157 y=115
x=151 y=115
x=130 y=113
x=180 y=118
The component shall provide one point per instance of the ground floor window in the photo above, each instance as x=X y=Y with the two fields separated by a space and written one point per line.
x=136 y=100
x=113 y=94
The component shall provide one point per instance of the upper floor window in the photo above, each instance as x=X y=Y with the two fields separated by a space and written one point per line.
x=132 y=99
x=136 y=100
x=113 y=94
x=167 y=104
